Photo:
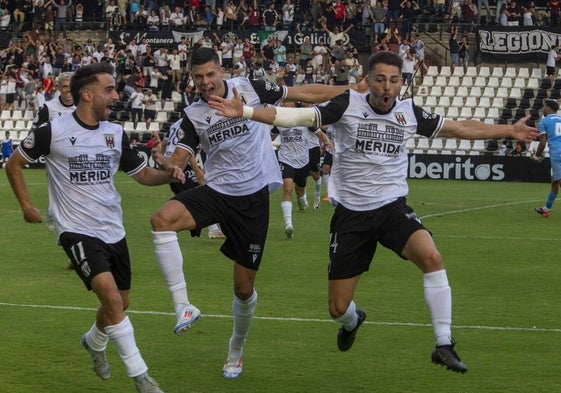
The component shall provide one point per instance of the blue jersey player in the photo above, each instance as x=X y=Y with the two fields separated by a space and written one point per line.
x=550 y=133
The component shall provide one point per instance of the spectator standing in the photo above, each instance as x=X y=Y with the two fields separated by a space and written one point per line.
x=463 y=53
x=270 y=18
x=61 y=14
x=552 y=57
x=454 y=47
x=137 y=105
x=376 y=16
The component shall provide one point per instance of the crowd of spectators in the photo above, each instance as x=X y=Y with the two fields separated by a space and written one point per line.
x=42 y=47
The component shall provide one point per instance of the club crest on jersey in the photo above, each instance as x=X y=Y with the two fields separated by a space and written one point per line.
x=29 y=142
x=400 y=118
x=109 y=141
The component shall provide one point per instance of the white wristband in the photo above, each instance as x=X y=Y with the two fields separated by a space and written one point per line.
x=247 y=112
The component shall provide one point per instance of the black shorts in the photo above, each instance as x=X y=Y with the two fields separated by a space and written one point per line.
x=149 y=114
x=354 y=236
x=327 y=158
x=315 y=157
x=91 y=256
x=243 y=219
x=299 y=175
x=549 y=70
x=227 y=63
x=10 y=98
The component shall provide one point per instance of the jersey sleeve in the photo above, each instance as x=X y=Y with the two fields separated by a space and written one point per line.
x=132 y=161
x=37 y=143
x=428 y=124
x=42 y=116
x=332 y=111
x=190 y=139
x=269 y=93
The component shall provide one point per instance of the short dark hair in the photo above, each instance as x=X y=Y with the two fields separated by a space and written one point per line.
x=552 y=104
x=384 y=57
x=87 y=75
x=204 y=55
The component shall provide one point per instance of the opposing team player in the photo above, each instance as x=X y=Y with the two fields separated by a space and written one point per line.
x=369 y=186
x=549 y=127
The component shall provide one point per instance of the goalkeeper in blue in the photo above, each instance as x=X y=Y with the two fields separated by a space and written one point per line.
x=549 y=128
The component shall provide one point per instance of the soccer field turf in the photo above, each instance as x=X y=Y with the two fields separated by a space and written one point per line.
x=502 y=263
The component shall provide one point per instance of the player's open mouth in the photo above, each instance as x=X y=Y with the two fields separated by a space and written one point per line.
x=386 y=99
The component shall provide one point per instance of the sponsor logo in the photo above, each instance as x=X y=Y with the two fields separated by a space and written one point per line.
x=29 y=142
x=72 y=140
x=459 y=169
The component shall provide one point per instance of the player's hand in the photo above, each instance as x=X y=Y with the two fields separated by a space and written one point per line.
x=224 y=107
x=32 y=215
x=523 y=132
x=176 y=174
x=536 y=159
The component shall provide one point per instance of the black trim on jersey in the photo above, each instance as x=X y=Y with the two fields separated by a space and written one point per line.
x=428 y=124
x=84 y=125
x=37 y=143
x=269 y=93
x=190 y=138
x=131 y=161
x=42 y=115
x=334 y=109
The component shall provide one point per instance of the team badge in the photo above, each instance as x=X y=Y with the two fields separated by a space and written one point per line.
x=109 y=141
x=29 y=142
x=400 y=118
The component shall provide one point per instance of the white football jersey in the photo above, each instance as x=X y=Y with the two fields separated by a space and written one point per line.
x=295 y=145
x=51 y=109
x=240 y=159
x=370 y=158
x=81 y=161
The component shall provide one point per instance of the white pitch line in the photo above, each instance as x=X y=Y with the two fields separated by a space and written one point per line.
x=378 y=323
x=476 y=208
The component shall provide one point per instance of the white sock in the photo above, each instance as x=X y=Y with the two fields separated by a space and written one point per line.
x=170 y=259
x=350 y=318
x=438 y=297
x=96 y=340
x=317 y=188
x=122 y=335
x=213 y=227
x=326 y=182
x=243 y=311
x=287 y=212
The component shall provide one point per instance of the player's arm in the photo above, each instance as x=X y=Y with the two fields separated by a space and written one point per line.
x=323 y=138
x=541 y=146
x=14 y=172
x=278 y=116
x=136 y=167
x=473 y=129
x=198 y=171
x=318 y=92
x=149 y=176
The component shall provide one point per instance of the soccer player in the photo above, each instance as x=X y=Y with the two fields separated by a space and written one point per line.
x=369 y=186
x=548 y=128
x=83 y=152
x=240 y=171
x=61 y=104
x=194 y=176
x=294 y=160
